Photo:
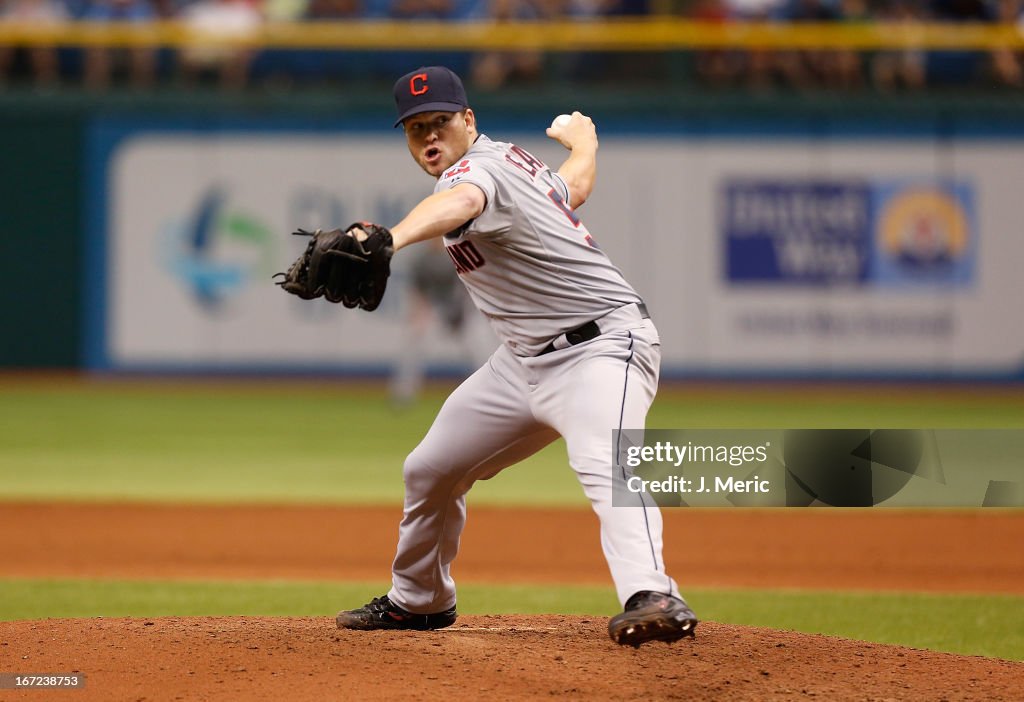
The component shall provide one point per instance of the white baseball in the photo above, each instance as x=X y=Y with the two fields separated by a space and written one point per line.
x=560 y=121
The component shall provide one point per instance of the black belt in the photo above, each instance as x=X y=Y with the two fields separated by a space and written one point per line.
x=588 y=331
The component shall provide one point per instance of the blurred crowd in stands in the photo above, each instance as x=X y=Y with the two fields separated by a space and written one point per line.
x=884 y=70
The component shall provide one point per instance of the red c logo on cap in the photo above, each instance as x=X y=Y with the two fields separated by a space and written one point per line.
x=418 y=90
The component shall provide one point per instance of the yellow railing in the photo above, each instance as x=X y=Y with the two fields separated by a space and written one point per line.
x=656 y=34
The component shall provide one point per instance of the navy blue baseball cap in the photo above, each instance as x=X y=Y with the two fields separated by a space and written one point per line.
x=429 y=89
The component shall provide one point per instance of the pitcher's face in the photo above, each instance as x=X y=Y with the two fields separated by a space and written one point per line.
x=438 y=139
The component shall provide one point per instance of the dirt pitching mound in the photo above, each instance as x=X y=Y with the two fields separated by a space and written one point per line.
x=482 y=657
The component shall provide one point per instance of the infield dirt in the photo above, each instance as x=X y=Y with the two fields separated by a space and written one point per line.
x=484 y=658
x=510 y=657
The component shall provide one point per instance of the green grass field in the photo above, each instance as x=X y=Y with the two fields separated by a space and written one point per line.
x=333 y=443
x=304 y=442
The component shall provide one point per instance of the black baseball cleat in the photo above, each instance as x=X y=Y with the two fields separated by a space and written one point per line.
x=652 y=616
x=382 y=613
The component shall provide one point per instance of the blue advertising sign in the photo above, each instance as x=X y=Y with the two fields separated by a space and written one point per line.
x=848 y=232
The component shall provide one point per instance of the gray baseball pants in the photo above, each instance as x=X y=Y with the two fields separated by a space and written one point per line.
x=508 y=410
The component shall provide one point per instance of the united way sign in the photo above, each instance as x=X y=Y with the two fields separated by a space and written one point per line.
x=848 y=232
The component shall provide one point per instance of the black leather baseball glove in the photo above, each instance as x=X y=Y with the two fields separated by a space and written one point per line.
x=350 y=266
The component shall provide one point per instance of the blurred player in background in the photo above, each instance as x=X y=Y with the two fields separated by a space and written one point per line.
x=436 y=301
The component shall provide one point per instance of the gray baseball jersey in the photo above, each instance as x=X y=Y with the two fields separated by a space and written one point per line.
x=531 y=266
x=528 y=261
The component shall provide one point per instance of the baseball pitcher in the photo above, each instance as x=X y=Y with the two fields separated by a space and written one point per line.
x=579 y=355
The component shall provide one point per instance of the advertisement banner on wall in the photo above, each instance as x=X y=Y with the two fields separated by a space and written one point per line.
x=856 y=232
x=808 y=257
x=197 y=224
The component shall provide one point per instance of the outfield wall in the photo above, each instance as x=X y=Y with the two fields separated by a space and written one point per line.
x=832 y=246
